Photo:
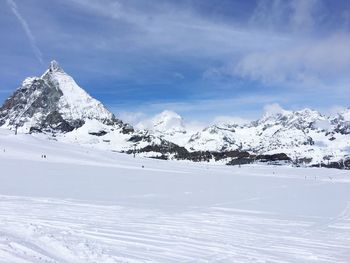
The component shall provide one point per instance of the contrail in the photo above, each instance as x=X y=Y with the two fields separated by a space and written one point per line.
x=27 y=30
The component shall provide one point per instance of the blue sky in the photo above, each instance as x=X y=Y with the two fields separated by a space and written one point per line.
x=201 y=58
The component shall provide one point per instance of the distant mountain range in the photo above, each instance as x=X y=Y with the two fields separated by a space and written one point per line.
x=54 y=105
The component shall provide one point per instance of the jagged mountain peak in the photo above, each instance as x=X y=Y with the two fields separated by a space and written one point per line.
x=55 y=67
x=304 y=118
x=341 y=121
x=52 y=102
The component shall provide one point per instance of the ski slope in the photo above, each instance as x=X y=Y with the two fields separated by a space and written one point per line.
x=84 y=205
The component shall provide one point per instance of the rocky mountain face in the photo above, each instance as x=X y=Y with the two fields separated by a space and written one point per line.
x=56 y=106
x=305 y=136
x=341 y=122
x=54 y=103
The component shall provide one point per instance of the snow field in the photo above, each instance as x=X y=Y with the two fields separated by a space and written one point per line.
x=85 y=205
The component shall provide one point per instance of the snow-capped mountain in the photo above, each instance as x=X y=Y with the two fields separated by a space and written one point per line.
x=273 y=131
x=303 y=135
x=54 y=103
x=341 y=122
x=214 y=138
x=167 y=125
x=168 y=122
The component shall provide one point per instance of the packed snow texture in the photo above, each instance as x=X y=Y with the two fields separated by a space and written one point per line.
x=86 y=205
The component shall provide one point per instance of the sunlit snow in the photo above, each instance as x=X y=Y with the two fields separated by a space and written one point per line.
x=86 y=205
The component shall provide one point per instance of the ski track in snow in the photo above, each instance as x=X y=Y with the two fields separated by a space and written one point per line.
x=82 y=206
x=39 y=230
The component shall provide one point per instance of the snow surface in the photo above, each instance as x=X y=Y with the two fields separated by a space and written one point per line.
x=84 y=205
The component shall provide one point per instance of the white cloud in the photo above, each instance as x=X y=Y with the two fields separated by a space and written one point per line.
x=131 y=117
x=191 y=126
x=293 y=15
x=305 y=64
x=213 y=73
x=273 y=109
x=28 y=32
x=108 y=8
x=269 y=14
x=231 y=120
x=303 y=18
x=273 y=50
x=170 y=30
x=335 y=109
x=208 y=105
x=178 y=76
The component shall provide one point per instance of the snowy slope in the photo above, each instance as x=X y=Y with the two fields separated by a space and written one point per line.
x=83 y=205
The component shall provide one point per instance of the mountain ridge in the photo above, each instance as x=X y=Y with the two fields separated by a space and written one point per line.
x=56 y=105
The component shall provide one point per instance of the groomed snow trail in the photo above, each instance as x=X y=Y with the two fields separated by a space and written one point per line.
x=38 y=230
x=80 y=206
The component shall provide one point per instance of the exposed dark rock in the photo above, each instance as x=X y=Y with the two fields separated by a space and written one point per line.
x=273 y=157
x=136 y=138
x=266 y=158
x=342 y=164
x=165 y=147
x=241 y=161
x=160 y=157
x=55 y=122
x=343 y=128
x=127 y=128
x=100 y=133
x=230 y=154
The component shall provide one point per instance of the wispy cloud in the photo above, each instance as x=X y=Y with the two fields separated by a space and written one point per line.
x=202 y=110
x=307 y=65
x=32 y=41
x=282 y=46
x=303 y=18
x=186 y=56
x=293 y=15
x=171 y=31
x=230 y=119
